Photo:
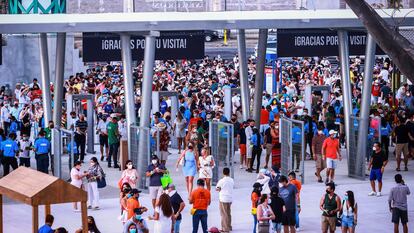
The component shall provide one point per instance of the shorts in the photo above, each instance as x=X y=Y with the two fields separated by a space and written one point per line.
x=348 y=221
x=398 y=214
x=242 y=149
x=163 y=155
x=269 y=147
x=103 y=140
x=375 y=174
x=155 y=192
x=328 y=223
x=401 y=147
x=289 y=218
x=276 y=226
x=319 y=162
x=331 y=163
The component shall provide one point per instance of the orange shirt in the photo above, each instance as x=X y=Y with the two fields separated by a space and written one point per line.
x=331 y=147
x=132 y=204
x=297 y=183
x=255 y=199
x=201 y=198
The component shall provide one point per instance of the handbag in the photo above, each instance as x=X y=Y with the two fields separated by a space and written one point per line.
x=192 y=211
x=263 y=227
x=166 y=180
x=254 y=211
x=101 y=182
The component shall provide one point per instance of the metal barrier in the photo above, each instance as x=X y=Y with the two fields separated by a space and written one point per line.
x=292 y=147
x=150 y=147
x=60 y=141
x=356 y=161
x=68 y=145
x=221 y=141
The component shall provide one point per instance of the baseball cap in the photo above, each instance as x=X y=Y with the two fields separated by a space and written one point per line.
x=332 y=132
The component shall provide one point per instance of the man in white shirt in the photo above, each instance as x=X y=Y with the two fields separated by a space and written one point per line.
x=225 y=188
x=249 y=134
x=103 y=136
x=5 y=117
x=122 y=128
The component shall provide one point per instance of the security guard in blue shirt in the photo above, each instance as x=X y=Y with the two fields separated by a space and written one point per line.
x=42 y=149
x=9 y=150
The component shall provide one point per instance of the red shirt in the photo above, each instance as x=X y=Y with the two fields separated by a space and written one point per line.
x=331 y=147
x=375 y=90
x=264 y=117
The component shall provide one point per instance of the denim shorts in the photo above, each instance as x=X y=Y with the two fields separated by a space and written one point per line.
x=277 y=226
x=375 y=174
x=347 y=221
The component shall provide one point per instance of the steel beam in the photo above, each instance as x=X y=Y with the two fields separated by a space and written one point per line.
x=346 y=84
x=244 y=80
x=45 y=76
x=59 y=77
x=366 y=98
x=258 y=87
x=146 y=95
x=129 y=86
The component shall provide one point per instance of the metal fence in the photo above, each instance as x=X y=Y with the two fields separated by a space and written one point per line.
x=292 y=138
x=221 y=141
x=149 y=139
x=62 y=144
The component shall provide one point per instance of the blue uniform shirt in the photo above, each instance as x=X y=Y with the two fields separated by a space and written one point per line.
x=45 y=229
x=386 y=131
x=42 y=146
x=9 y=148
x=296 y=135
x=13 y=127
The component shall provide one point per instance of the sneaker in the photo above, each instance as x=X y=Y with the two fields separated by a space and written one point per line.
x=90 y=207
x=298 y=229
x=241 y=166
x=76 y=210
x=96 y=208
x=378 y=194
x=372 y=193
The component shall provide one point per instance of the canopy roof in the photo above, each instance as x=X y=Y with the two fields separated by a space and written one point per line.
x=36 y=188
x=167 y=21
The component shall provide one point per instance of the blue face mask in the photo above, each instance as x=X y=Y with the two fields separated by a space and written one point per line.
x=129 y=195
x=133 y=231
x=346 y=197
x=138 y=217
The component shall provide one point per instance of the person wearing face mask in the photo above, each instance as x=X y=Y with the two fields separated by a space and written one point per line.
x=289 y=193
x=330 y=152
x=349 y=212
x=94 y=173
x=76 y=180
x=155 y=171
x=136 y=224
x=377 y=165
x=133 y=202
x=189 y=161
x=330 y=204
x=130 y=174
x=25 y=146
x=317 y=143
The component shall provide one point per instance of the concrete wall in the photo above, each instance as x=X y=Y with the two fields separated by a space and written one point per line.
x=21 y=59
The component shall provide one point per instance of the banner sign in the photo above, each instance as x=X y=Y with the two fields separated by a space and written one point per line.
x=318 y=42
x=103 y=47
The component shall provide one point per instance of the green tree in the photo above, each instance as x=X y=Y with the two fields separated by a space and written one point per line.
x=400 y=50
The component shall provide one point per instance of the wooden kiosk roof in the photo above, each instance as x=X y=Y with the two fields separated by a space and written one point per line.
x=36 y=188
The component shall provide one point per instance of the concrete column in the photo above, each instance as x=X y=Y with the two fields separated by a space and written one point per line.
x=346 y=84
x=45 y=75
x=244 y=80
x=129 y=86
x=258 y=87
x=366 y=98
x=59 y=77
x=146 y=95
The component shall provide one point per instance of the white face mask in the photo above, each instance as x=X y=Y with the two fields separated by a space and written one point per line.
x=374 y=148
x=320 y=132
x=154 y=161
x=129 y=166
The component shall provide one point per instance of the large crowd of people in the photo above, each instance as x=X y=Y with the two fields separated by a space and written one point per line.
x=201 y=86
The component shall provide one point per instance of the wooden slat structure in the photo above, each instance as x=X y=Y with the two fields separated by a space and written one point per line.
x=36 y=188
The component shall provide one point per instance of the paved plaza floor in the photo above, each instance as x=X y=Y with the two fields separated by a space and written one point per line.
x=373 y=211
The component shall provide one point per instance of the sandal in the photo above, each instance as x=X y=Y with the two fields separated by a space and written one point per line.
x=398 y=169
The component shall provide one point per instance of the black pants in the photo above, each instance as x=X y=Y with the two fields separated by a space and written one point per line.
x=6 y=126
x=24 y=162
x=385 y=141
x=309 y=143
x=113 y=154
x=256 y=153
x=80 y=140
x=7 y=162
x=42 y=163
